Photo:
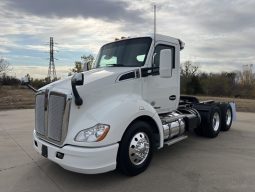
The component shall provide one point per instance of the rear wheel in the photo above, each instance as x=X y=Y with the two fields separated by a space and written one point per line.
x=211 y=122
x=136 y=149
x=227 y=117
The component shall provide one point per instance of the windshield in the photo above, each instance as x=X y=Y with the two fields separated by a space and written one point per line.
x=125 y=53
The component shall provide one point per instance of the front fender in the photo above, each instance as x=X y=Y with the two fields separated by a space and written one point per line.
x=125 y=113
x=118 y=112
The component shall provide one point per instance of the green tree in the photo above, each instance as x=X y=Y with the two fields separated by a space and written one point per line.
x=88 y=60
x=77 y=67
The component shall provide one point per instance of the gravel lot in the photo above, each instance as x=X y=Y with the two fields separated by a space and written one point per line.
x=226 y=163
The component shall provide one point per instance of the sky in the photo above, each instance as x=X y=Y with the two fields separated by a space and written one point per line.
x=218 y=34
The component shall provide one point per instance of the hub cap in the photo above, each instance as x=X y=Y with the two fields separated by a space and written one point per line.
x=139 y=148
x=228 y=117
x=216 y=121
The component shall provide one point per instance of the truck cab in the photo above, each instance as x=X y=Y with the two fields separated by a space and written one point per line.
x=118 y=113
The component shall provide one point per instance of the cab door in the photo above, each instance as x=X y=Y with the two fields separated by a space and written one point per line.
x=163 y=93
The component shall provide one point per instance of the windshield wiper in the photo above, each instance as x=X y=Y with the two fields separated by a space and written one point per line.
x=115 y=65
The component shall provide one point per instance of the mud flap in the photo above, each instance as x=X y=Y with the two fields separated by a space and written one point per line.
x=233 y=107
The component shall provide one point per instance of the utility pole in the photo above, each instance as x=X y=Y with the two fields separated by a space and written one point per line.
x=155 y=27
x=52 y=71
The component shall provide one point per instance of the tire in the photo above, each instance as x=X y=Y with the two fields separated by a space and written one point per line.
x=226 y=117
x=211 y=122
x=199 y=131
x=128 y=160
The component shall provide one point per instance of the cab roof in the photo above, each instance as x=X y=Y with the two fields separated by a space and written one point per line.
x=159 y=37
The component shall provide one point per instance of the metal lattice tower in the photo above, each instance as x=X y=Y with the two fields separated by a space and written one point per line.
x=52 y=71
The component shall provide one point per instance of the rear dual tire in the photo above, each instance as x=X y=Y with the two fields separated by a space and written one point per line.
x=217 y=118
x=227 y=117
x=211 y=122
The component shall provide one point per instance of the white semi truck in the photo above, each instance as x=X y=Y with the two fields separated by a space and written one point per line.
x=117 y=114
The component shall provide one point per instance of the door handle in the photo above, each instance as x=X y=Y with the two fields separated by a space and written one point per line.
x=172 y=97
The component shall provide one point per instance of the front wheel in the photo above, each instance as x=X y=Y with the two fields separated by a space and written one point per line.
x=136 y=149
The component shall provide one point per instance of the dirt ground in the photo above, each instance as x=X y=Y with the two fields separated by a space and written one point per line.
x=23 y=98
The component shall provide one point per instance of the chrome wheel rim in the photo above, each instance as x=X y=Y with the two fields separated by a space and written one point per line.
x=139 y=148
x=228 y=117
x=216 y=121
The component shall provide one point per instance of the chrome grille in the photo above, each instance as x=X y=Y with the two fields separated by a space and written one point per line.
x=39 y=114
x=52 y=115
x=55 y=116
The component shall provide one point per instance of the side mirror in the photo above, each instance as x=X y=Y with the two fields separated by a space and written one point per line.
x=166 y=63
x=24 y=80
x=78 y=79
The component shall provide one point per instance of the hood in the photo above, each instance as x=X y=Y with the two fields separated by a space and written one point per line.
x=106 y=74
x=102 y=73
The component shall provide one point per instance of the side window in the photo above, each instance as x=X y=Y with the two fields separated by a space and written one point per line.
x=157 y=55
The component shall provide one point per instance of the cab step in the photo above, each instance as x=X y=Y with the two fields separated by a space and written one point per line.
x=175 y=140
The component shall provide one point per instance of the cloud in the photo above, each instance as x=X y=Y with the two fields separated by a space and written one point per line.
x=109 y=10
x=226 y=16
x=213 y=16
x=4 y=50
x=218 y=35
x=219 y=32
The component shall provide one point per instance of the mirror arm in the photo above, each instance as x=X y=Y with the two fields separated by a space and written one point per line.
x=153 y=62
x=25 y=81
x=77 y=98
x=153 y=59
x=149 y=71
x=77 y=79
x=31 y=87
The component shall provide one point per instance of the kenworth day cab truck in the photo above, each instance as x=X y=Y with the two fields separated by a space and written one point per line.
x=118 y=113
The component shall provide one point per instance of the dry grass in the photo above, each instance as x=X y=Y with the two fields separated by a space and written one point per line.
x=23 y=98
x=16 y=98
x=244 y=105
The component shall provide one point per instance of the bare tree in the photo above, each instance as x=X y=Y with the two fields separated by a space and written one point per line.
x=189 y=69
x=190 y=83
x=5 y=66
x=246 y=77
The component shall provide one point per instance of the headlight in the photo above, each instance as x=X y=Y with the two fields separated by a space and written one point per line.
x=93 y=134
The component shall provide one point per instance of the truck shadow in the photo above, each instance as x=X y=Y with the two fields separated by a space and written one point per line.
x=68 y=181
